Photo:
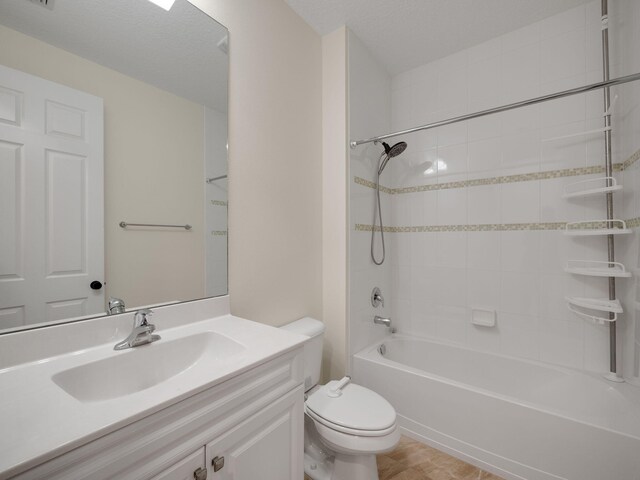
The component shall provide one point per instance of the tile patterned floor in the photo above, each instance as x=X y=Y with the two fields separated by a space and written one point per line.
x=412 y=460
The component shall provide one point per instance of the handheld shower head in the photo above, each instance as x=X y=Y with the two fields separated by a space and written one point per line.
x=391 y=152
x=396 y=150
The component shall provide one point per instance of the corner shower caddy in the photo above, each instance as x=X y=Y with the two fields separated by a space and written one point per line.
x=609 y=227
x=600 y=310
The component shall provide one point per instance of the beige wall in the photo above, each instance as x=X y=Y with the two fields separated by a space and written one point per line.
x=334 y=213
x=275 y=160
x=153 y=157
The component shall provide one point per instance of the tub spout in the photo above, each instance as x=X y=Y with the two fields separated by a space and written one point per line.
x=382 y=321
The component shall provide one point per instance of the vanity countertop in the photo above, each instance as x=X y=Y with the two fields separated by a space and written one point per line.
x=39 y=419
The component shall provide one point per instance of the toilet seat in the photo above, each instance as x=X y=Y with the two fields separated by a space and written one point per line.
x=346 y=430
x=350 y=444
x=356 y=411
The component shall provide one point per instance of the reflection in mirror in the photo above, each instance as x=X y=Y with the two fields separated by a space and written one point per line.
x=110 y=112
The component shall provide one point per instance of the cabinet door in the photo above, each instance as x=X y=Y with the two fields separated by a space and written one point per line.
x=266 y=446
x=186 y=468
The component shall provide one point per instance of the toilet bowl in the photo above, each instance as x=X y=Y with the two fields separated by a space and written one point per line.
x=346 y=424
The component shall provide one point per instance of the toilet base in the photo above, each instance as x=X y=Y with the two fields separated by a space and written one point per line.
x=355 y=467
x=341 y=467
x=323 y=463
x=320 y=468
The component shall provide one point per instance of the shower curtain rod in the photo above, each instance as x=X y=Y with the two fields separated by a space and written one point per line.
x=504 y=108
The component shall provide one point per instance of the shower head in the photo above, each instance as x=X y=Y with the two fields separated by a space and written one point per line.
x=396 y=150
x=391 y=152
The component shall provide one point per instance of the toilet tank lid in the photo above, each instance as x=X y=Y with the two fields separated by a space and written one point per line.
x=307 y=326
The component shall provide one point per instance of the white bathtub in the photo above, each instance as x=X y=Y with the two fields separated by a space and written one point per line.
x=519 y=419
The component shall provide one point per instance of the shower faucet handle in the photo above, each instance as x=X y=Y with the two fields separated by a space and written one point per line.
x=376 y=297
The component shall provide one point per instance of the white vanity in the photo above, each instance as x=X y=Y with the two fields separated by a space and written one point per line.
x=216 y=397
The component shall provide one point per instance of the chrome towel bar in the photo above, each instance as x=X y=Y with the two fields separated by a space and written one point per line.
x=125 y=225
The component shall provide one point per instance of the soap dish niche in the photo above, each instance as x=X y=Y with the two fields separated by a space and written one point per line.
x=483 y=317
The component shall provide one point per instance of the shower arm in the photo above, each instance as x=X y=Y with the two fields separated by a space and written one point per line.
x=512 y=106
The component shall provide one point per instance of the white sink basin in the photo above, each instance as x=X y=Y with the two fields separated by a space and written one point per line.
x=145 y=366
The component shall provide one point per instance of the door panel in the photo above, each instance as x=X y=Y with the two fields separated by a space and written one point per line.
x=12 y=211
x=10 y=106
x=65 y=121
x=60 y=310
x=65 y=208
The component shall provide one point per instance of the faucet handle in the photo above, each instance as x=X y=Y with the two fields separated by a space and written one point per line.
x=140 y=318
x=376 y=298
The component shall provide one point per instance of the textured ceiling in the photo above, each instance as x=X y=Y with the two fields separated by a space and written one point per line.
x=404 y=34
x=175 y=51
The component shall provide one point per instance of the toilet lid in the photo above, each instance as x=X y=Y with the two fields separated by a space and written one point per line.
x=358 y=408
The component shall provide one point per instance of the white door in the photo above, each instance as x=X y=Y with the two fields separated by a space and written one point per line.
x=51 y=201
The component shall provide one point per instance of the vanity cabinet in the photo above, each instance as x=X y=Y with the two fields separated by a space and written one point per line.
x=251 y=424
x=262 y=447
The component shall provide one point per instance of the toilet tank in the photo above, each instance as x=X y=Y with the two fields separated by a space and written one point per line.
x=314 y=329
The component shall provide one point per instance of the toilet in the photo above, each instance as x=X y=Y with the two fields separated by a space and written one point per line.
x=346 y=425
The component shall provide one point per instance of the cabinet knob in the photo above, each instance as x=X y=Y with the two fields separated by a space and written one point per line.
x=200 y=474
x=217 y=463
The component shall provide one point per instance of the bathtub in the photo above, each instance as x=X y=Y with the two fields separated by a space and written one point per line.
x=516 y=418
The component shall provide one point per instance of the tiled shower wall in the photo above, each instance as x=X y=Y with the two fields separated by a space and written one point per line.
x=484 y=198
x=369 y=114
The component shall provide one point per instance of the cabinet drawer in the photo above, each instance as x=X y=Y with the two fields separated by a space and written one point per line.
x=150 y=446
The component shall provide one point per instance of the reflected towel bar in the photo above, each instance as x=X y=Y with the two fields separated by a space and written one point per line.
x=213 y=179
x=125 y=225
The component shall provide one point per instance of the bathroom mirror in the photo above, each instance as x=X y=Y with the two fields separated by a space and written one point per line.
x=113 y=157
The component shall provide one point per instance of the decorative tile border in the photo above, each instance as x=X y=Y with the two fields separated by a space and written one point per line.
x=367 y=183
x=525 y=177
x=492 y=227
x=219 y=233
x=633 y=222
x=219 y=203
x=631 y=160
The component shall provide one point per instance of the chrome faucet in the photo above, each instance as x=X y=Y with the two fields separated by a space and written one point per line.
x=142 y=332
x=382 y=321
x=116 y=305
